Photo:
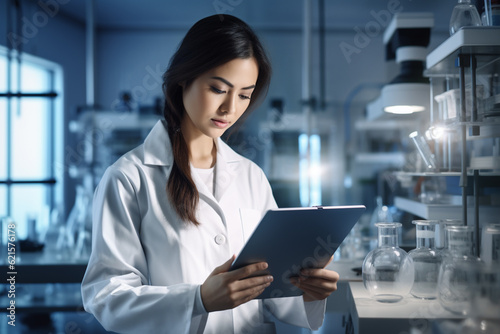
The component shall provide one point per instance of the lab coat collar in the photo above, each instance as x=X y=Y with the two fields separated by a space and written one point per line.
x=155 y=147
x=157 y=151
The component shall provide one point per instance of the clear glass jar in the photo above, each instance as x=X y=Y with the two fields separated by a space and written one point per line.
x=490 y=244
x=426 y=260
x=454 y=281
x=388 y=271
x=464 y=14
x=484 y=314
x=441 y=233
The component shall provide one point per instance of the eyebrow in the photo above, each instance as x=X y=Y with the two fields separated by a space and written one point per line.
x=230 y=84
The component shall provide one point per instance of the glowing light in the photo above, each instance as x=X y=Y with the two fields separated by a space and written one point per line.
x=403 y=109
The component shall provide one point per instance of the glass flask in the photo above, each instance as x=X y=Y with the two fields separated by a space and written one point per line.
x=388 y=271
x=79 y=224
x=454 y=291
x=464 y=14
x=426 y=260
x=441 y=233
x=490 y=244
x=485 y=302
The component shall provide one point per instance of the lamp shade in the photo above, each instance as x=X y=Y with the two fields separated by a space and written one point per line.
x=405 y=98
x=406 y=39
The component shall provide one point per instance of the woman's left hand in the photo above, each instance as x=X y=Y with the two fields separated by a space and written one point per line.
x=317 y=284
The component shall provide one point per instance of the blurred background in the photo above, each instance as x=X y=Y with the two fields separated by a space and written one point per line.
x=81 y=85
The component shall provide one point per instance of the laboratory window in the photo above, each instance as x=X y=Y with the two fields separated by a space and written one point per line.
x=31 y=140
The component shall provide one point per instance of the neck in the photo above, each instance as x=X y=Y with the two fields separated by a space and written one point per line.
x=202 y=149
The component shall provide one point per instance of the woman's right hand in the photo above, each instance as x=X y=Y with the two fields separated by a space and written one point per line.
x=225 y=289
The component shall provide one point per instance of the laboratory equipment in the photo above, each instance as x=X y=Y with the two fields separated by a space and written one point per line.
x=485 y=300
x=464 y=14
x=102 y=137
x=442 y=233
x=388 y=271
x=424 y=150
x=490 y=244
x=454 y=291
x=426 y=260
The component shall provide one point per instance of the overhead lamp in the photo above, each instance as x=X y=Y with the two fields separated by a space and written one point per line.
x=406 y=40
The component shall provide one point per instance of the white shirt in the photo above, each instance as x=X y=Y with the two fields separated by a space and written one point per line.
x=146 y=266
x=207 y=176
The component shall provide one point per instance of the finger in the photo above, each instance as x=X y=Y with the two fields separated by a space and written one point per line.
x=318 y=285
x=313 y=291
x=248 y=283
x=325 y=274
x=330 y=260
x=248 y=270
x=224 y=267
x=250 y=293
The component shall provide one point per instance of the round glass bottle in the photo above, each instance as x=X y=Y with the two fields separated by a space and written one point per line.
x=464 y=14
x=484 y=314
x=426 y=260
x=454 y=291
x=388 y=271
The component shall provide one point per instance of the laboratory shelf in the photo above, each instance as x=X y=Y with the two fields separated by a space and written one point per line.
x=403 y=175
x=450 y=210
x=391 y=158
x=490 y=127
x=38 y=267
x=480 y=41
x=390 y=124
x=46 y=298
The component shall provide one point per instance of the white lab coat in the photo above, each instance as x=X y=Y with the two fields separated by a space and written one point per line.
x=147 y=265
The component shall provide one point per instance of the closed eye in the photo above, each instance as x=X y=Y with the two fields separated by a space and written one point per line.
x=244 y=97
x=217 y=91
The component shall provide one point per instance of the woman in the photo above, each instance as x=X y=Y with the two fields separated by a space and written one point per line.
x=170 y=215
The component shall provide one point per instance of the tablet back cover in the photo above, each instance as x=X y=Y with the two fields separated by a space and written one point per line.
x=295 y=238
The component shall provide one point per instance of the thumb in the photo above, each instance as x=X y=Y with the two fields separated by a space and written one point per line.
x=330 y=260
x=224 y=267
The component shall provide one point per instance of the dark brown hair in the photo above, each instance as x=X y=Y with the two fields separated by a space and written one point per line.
x=211 y=42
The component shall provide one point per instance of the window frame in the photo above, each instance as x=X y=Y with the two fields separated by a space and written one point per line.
x=55 y=180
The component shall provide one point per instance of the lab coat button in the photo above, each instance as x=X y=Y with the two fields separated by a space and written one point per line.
x=220 y=239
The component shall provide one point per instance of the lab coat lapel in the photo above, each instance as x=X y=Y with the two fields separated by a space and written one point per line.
x=156 y=146
x=155 y=153
x=227 y=162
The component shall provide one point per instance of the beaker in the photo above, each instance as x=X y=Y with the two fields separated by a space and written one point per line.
x=490 y=244
x=441 y=233
x=454 y=281
x=426 y=260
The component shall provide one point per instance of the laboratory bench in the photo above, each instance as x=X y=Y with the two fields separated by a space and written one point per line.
x=362 y=314
x=51 y=287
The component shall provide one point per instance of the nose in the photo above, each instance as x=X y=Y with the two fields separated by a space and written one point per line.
x=229 y=105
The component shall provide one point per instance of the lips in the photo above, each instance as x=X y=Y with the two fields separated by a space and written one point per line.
x=220 y=123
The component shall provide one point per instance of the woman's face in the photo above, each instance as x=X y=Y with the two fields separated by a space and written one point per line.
x=215 y=100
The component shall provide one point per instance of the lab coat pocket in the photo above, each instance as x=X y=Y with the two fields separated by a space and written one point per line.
x=249 y=218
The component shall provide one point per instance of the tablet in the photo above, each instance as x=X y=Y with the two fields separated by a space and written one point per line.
x=294 y=238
